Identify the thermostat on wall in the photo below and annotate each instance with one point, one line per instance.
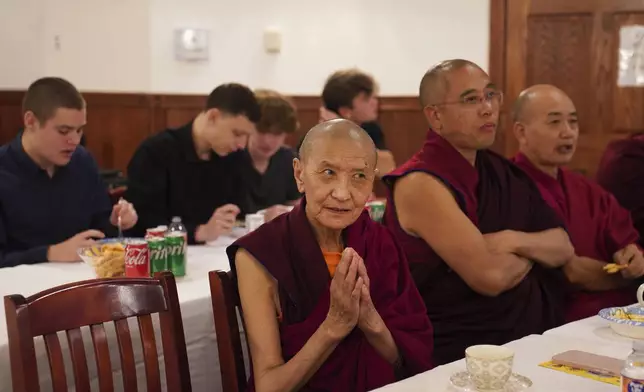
(191, 44)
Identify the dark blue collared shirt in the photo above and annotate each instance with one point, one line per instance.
(37, 210)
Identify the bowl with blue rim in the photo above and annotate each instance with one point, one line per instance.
(625, 320)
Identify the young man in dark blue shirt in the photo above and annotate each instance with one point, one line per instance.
(52, 199)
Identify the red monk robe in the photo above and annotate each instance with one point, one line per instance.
(597, 225)
(495, 195)
(621, 172)
(287, 248)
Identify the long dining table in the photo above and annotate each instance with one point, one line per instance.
(592, 335)
(196, 311)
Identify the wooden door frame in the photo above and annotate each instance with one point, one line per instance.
(508, 27)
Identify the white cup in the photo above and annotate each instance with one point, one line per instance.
(489, 366)
(253, 221)
(640, 294)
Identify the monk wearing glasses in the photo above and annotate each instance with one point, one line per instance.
(484, 249)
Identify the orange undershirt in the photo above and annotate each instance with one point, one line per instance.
(332, 260)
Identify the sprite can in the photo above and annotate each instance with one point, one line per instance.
(376, 210)
(176, 246)
(158, 255)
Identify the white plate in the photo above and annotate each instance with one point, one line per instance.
(462, 382)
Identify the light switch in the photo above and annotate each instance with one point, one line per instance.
(272, 40)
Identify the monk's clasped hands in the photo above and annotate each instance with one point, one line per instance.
(350, 303)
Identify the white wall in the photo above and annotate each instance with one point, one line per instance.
(126, 45)
(21, 39)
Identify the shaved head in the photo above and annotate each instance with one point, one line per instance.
(435, 83)
(335, 172)
(337, 131)
(530, 100)
(546, 127)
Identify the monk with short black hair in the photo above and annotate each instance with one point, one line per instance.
(547, 128)
(484, 249)
(327, 298)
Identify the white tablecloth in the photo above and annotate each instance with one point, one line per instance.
(196, 310)
(594, 328)
(529, 353)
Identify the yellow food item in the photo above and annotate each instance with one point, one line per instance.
(108, 259)
(623, 315)
(613, 268)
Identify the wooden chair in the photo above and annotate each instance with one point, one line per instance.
(92, 303)
(225, 300)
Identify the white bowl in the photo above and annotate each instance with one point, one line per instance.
(105, 267)
(624, 326)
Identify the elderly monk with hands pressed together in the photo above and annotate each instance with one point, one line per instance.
(327, 297)
(483, 247)
(546, 126)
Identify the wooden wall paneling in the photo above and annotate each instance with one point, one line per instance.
(583, 6)
(308, 115)
(10, 114)
(496, 68)
(403, 125)
(179, 109)
(116, 125)
(627, 102)
(515, 60)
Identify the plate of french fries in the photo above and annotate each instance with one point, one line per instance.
(106, 257)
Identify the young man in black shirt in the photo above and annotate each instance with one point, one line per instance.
(52, 198)
(351, 94)
(193, 172)
(268, 163)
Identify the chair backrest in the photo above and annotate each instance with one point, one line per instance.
(117, 193)
(91, 303)
(225, 300)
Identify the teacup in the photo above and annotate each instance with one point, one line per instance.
(640, 294)
(489, 366)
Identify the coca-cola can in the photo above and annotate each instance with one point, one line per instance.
(137, 259)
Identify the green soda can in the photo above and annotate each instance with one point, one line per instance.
(176, 245)
(158, 255)
(376, 210)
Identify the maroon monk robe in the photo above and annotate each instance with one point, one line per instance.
(597, 225)
(288, 249)
(621, 172)
(495, 195)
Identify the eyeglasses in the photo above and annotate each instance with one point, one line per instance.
(492, 97)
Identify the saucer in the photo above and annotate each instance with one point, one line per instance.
(462, 382)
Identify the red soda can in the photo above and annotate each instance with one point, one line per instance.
(137, 259)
